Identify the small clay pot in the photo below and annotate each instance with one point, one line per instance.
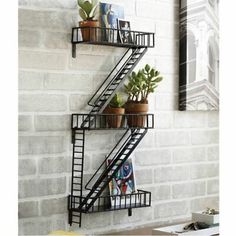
(88, 33)
(114, 117)
(139, 110)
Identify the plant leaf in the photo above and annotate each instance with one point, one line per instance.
(92, 13)
(82, 14)
(152, 73)
(147, 68)
(87, 7)
(157, 80)
(80, 3)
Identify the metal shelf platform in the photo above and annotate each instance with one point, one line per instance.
(101, 121)
(110, 37)
(138, 199)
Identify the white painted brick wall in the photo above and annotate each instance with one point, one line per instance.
(42, 60)
(177, 161)
(53, 206)
(41, 144)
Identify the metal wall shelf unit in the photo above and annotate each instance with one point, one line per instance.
(93, 197)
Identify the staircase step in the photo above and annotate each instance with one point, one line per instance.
(77, 189)
(116, 83)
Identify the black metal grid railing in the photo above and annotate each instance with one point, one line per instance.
(112, 121)
(109, 36)
(138, 199)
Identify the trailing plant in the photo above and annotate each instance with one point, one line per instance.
(117, 101)
(142, 83)
(87, 9)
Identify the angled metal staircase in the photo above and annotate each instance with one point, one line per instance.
(105, 92)
(121, 156)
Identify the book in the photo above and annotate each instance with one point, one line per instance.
(109, 13)
(123, 184)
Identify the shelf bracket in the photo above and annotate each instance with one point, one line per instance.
(73, 136)
(130, 212)
(73, 50)
(70, 212)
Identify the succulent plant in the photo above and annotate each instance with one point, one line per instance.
(211, 211)
(117, 101)
(87, 9)
(141, 84)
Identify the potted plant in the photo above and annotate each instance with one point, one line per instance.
(210, 216)
(140, 85)
(87, 10)
(115, 112)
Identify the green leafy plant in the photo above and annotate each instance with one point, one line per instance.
(210, 211)
(117, 101)
(141, 84)
(87, 9)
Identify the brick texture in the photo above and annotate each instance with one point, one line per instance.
(41, 187)
(28, 209)
(53, 206)
(42, 60)
(53, 165)
(42, 102)
(41, 144)
(27, 167)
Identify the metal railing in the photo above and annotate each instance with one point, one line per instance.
(114, 37)
(138, 199)
(112, 121)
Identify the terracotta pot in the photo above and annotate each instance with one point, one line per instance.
(140, 109)
(114, 119)
(89, 34)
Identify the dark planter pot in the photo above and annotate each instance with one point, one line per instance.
(89, 34)
(114, 119)
(138, 111)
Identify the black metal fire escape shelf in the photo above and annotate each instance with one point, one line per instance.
(96, 198)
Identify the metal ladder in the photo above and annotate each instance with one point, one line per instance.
(78, 140)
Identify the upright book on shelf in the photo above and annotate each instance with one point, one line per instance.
(123, 185)
(109, 13)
